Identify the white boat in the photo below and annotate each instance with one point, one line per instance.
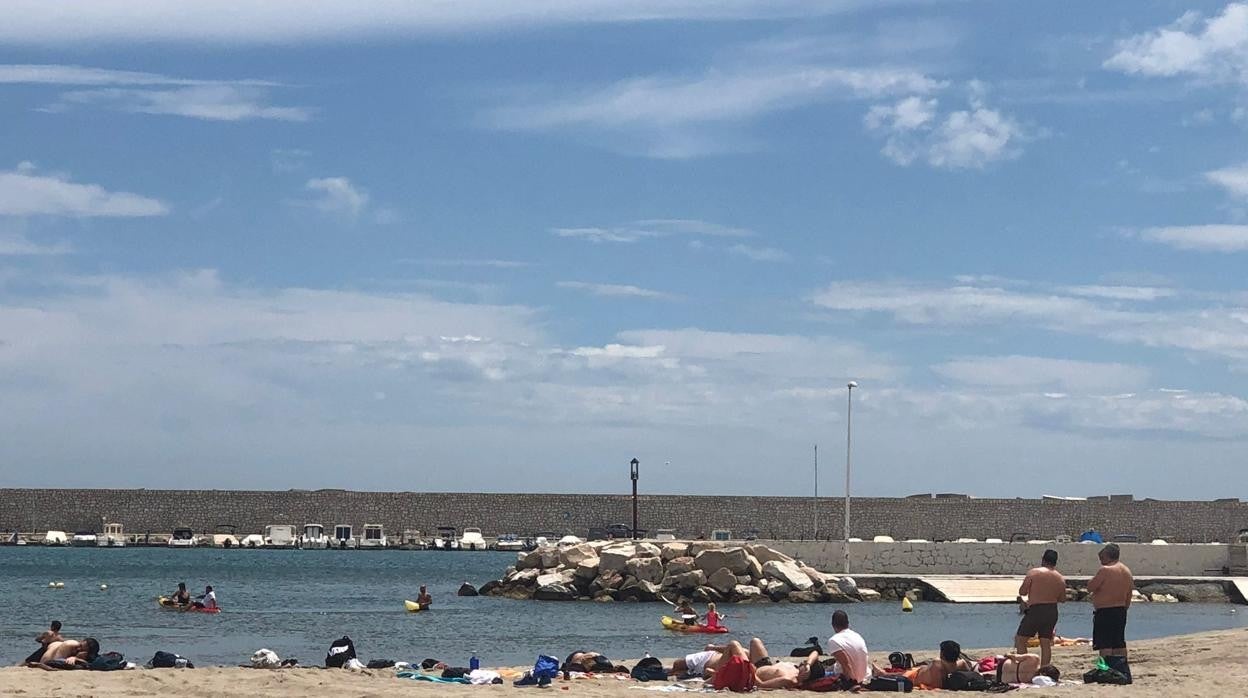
(224, 540)
(374, 536)
(183, 538)
(114, 536)
(55, 538)
(472, 539)
(446, 539)
(509, 541)
(313, 537)
(279, 536)
(343, 538)
(84, 539)
(254, 540)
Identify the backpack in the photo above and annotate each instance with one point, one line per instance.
(169, 660)
(545, 667)
(895, 683)
(812, 645)
(966, 680)
(900, 660)
(340, 651)
(109, 661)
(649, 669)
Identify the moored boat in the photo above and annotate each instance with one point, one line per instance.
(84, 539)
(472, 539)
(314, 537)
(183, 538)
(114, 536)
(374, 536)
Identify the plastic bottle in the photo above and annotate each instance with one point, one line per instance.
(474, 663)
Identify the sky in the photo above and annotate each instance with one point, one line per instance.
(502, 245)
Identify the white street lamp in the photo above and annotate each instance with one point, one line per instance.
(849, 421)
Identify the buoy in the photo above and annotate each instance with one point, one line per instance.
(51, 585)
(60, 585)
(906, 606)
(103, 587)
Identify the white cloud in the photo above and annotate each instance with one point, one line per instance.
(491, 263)
(1214, 49)
(760, 254)
(1204, 238)
(56, 74)
(25, 193)
(1034, 372)
(338, 196)
(616, 290)
(964, 139)
(1233, 179)
(209, 102)
(652, 228)
(235, 22)
(18, 245)
(1122, 293)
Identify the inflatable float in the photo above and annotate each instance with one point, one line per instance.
(673, 624)
(413, 607)
(168, 603)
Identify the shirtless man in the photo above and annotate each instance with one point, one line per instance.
(1022, 668)
(932, 674)
(769, 674)
(1111, 597)
(423, 598)
(73, 652)
(45, 638)
(1044, 588)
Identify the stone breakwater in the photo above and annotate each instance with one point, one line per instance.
(642, 571)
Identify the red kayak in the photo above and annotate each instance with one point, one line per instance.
(672, 624)
(167, 603)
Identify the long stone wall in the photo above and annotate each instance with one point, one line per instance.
(778, 518)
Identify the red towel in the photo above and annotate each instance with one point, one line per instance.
(736, 675)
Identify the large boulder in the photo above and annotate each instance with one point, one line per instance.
(789, 573)
(775, 589)
(489, 587)
(685, 582)
(616, 557)
(549, 556)
(607, 580)
(467, 589)
(548, 578)
(525, 577)
(735, 559)
(586, 569)
(745, 593)
(810, 596)
(699, 546)
(647, 550)
(680, 565)
(722, 580)
(671, 551)
(869, 595)
(554, 592)
(817, 577)
(638, 590)
(765, 554)
(755, 568)
(646, 569)
(574, 554)
(530, 560)
(706, 595)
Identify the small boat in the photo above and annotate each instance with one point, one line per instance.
(114, 536)
(413, 607)
(279, 536)
(314, 537)
(168, 604)
(374, 536)
(225, 537)
(472, 539)
(183, 538)
(343, 538)
(446, 539)
(677, 625)
(412, 540)
(84, 539)
(509, 541)
(254, 540)
(55, 538)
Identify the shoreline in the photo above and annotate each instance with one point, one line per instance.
(1208, 664)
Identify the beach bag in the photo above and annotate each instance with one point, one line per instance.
(340, 652)
(649, 669)
(545, 667)
(169, 660)
(379, 664)
(892, 684)
(109, 661)
(966, 680)
(900, 660)
(1104, 673)
(737, 675)
(812, 645)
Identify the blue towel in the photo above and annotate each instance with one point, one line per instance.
(416, 676)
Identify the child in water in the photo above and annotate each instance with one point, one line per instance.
(712, 616)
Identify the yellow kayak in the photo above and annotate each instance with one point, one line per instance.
(413, 607)
(680, 627)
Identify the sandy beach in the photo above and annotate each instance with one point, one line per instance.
(1204, 664)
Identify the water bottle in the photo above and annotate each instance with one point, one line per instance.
(474, 663)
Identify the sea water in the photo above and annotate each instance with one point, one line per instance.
(295, 602)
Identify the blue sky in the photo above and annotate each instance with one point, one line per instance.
(510, 245)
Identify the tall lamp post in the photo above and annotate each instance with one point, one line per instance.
(632, 473)
(849, 432)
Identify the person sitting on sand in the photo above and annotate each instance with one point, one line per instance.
(423, 598)
(1022, 668)
(769, 674)
(70, 653)
(848, 649)
(684, 611)
(181, 597)
(208, 600)
(45, 638)
(713, 617)
(932, 674)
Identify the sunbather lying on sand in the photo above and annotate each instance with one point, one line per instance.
(69, 653)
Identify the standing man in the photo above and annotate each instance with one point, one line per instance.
(1044, 588)
(1111, 597)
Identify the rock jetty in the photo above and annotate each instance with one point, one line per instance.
(644, 571)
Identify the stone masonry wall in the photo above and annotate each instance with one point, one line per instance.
(159, 511)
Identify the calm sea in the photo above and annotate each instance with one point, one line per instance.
(296, 602)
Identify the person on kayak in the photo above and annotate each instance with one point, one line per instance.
(424, 599)
(685, 611)
(208, 600)
(712, 616)
(181, 597)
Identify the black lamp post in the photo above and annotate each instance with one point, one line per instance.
(632, 473)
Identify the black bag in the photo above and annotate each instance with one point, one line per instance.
(649, 669)
(379, 663)
(109, 661)
(429, 663)
(456, 672)
(901, 660)
(812, 645)
(966, 680)
(340, 652)
(1106, 676)
(168, 660)
(895, 683)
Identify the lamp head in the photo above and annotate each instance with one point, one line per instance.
(851, 385)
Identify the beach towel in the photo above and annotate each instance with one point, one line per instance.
(483, 677)
(417, 676)
(736, 675)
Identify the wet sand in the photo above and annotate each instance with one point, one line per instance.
(1204, 664)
